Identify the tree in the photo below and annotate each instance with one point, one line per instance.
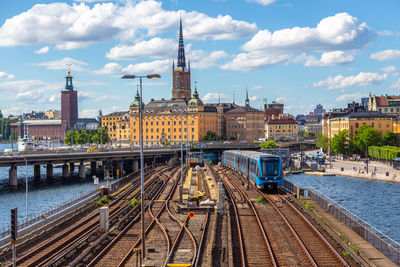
(83, 138)
(210, 136)
(68, 138)
(389, 139)
(322, 142)
(342, 144)
(366, 136)
(100, 136)
(269, 144)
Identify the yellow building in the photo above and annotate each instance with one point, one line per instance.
(165, 120)
(354, 120)
(281, 127)
(113, 124)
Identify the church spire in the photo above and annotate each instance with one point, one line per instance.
(68, 80)
(247, 102)
(181, 49)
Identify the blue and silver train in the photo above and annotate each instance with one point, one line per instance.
(263, 170)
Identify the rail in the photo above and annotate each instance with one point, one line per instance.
(382, 242)
(5, 231)
(389, 247)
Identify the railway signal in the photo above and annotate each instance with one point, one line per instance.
(191, 214)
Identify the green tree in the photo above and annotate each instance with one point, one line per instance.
(389, 139)
(100, 136)
(342, 144)
(210, 136)
(269, 144)
(83, 138)
(366, 136)
(68, 137)
(322, 142)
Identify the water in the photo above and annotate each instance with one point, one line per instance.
(41, 196)
(376, 202)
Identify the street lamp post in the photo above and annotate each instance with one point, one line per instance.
(181, 185)
(149, 76)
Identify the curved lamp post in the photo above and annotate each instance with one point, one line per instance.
(149, 76)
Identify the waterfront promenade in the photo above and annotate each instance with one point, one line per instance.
(376, 170)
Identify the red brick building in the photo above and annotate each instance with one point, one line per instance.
(69, 104)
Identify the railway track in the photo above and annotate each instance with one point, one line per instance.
(84, 231)
(118, 251)
(294, 239)
(254, 245)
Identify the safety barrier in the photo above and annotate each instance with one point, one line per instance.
(5, 231)
(389, 247)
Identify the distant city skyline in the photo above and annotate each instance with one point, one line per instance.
(300, 53)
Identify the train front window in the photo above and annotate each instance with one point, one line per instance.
(270, 166)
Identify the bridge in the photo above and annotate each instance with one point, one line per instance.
(120, 161)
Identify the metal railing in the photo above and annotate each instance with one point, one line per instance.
(382, 242)
(5, 231)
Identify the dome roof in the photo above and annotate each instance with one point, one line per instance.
(195, 100)
(136, 102)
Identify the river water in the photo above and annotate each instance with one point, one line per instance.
(41, 196)
(378, 203)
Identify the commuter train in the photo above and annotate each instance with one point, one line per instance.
(209, 157)
(261, 169)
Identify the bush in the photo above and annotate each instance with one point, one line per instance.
(103, 201)
(384, 152)
(346, 253)
(261, 199)
(134, 202)
(355, 248)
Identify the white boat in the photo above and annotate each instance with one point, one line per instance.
(25, 144)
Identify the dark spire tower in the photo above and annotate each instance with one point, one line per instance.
(247, 101)
(181, 75)
(69, 104)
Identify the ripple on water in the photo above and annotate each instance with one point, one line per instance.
(376, 202)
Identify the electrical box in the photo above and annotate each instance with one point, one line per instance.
(104, 224)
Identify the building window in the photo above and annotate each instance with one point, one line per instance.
(391, 110)
(174, 122)
(162, 123)
(151, 123)
(174, 130)
(386, 109)
(147, 123)
(168, 122)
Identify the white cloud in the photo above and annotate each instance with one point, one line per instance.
(253, 61)
(42, 50)
(213, 97)
(89, 113)
(338, 32)
(109, 68)
(4, 75)
(200, 59)
(332, 36)
(361, 79)
(388, 33)
(254, 98)
(281, 99)
(257, 87)
(109, 98)
(384, 55)
(82, 95)
(262, 2)
(389, 69)
(395, 85)
(26, 85)
(157, 66)
(81, 25)
(154, 48)
(350, 97)
(61, 64)
(55, 98)
(329, 59)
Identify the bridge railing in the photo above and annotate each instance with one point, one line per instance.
(382, 242)
(34, 218)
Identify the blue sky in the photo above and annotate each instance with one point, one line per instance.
(300, 53)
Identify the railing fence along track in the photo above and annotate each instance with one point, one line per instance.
(386, 245)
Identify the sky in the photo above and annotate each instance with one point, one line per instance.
(300, 53)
